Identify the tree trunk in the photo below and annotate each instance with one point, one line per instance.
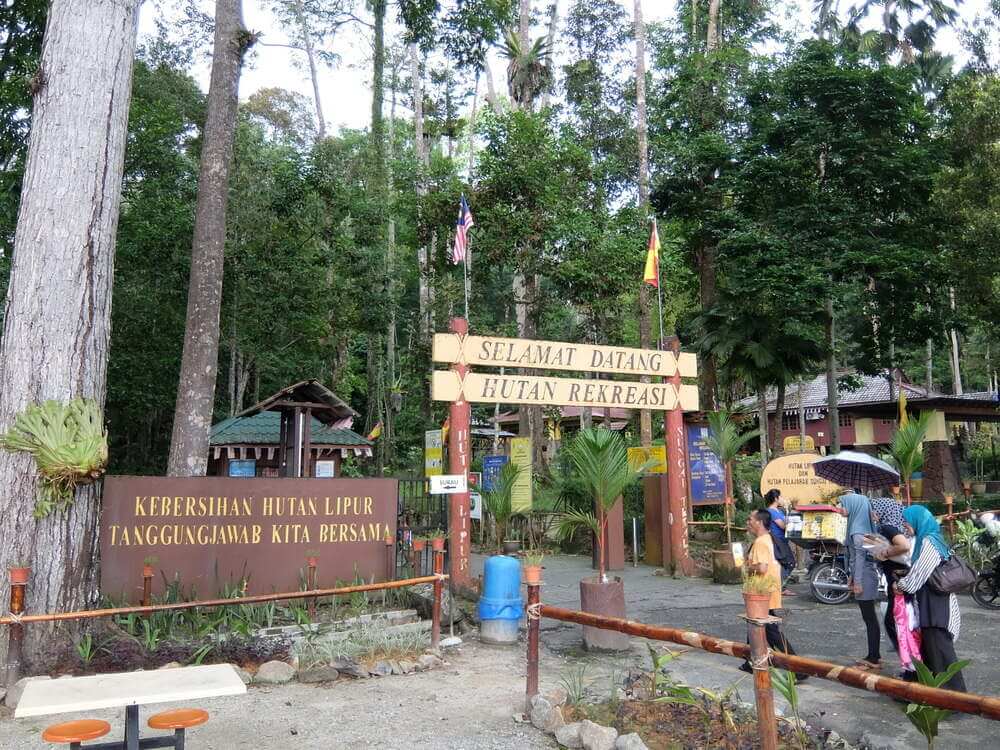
(307, 46)
(930, 365)
(491, 88)
(57, 321)
(417, 87)
(802, 417)
(388, 430)
(708, 294)
(762, 421)
(645, 325)
(776, 420)
(524, 24)
(553, 24)
(956, 368)
(832, 395)
(712, 35)
(200, 360)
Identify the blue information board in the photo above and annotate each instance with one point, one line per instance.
(491, 470)
(243, 467)
(708, 477)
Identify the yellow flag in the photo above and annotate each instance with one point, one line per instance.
(652, 273)
(903, 417)
(376, 432)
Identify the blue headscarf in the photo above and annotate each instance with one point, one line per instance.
(925, 528)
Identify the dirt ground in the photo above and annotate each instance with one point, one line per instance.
(466, 704)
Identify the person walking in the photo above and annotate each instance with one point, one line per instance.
(894, 559)
(940, 617)
(863, 580)
(762, 562)
(782, 549)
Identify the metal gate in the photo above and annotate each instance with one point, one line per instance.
(418, 513)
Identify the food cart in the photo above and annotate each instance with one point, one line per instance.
(822, 531)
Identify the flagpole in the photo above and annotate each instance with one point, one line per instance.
(466, 280)
(659, 285)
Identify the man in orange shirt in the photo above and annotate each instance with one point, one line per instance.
(761, 561)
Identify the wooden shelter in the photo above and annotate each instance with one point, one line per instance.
(289, 434)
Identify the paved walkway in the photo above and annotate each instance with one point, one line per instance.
(832, 633)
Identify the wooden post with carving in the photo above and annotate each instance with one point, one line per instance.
(459, 459)
(676, 526)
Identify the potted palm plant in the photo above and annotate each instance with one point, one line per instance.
(725, 440)
(757, 590)
(907, 450)
(498, 502)
(533, 567)
(600, 460)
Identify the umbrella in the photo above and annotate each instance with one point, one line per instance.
(854, 469)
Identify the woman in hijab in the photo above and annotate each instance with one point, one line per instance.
(894, 557)
(940, 619)
(863, 575)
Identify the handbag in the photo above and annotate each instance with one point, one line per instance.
(952, 575)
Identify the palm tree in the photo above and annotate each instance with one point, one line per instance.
(907, 448)
(601, 462)
(908, 27)
(725, 440)
(498, 501)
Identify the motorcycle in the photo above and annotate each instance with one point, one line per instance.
(986, 589)
(827, 572)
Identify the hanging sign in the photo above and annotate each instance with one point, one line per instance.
(520, 456)
(494, 351)
(433, 452)
(449, 484)
(543, 391)
(653, 458)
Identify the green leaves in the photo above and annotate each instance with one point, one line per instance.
(600, 460)
(907, 445)
(926, 718)
(498, 501)
(725, 438)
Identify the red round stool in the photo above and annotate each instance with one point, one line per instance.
(72, 733)
(178, 719)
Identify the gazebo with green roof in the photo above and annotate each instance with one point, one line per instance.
(303, 430)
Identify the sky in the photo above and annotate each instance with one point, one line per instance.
(346, 88)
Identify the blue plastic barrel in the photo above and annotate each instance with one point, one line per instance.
(501, 606)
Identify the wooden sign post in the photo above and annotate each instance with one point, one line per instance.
(460, 386)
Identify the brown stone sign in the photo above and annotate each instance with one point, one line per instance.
(210, 531)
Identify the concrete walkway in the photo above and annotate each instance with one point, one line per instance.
(831, 633)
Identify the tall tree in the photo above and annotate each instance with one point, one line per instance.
(200, 360)
(645, 328)
(57, 318)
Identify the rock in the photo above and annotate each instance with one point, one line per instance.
(244, 675)
(171, 665)
(395, 666)
(557, 696)
(349, 667)
(3, 694)
(874, 741)
(14, 694)
(428, 661)
(318, 673)
(407, 666)
(545, 716)
(380, 669)
(422, 598)
(595, 737)
(451, 642)
(274, 673)
(630, 742)
(568, 735)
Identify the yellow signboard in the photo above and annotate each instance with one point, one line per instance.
(520, 456)
(530, 389)
(793, 475)
(794, 443)
(637, 457)
(494, 351)
(433, 453)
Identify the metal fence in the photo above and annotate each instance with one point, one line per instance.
(418, 513)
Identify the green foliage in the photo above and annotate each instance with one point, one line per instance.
(926, 718)
(907, 446)
(784, 682)
(86, 649)
(574, 682)
(497, 501)
(968, 545)
(69, 444)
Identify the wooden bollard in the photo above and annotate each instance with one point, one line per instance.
(436, 609)
(147, 584)
(15, 638)
(534, 623)
(760, 660)
(311, 562)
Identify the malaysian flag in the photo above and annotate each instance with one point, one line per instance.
(462, 227)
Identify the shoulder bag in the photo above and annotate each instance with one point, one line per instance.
(952, 576)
